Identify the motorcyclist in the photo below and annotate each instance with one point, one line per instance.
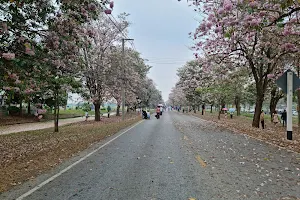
(157, 112)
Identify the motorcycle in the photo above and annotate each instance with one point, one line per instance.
(157, 115)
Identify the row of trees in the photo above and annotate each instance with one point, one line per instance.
(240, 45)
(51, 48)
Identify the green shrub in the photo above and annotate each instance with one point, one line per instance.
(13, 109)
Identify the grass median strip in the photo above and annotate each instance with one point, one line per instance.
(23, 156)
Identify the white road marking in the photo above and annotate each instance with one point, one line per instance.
(72, 165)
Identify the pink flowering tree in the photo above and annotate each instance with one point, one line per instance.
(99, 42)
(130, 75)
(47, 33)
(257, 33)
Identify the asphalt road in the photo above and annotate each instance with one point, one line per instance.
(176, 157)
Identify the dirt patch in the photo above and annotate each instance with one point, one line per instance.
(10, 120)
(243, 125)
(25, 155)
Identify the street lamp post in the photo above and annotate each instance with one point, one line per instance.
(123, 86)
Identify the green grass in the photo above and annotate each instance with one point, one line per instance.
(64, 114)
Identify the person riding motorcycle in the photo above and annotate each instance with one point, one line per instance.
(157, 112)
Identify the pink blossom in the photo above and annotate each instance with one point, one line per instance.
(28, 91)
(270, 75)
(92, 6)
(227, 5)
(111, 5)
(56, 44)
(17, 81)
(287, 31)
(203, 27)
(209, 25)
(221, 11)
(218, 29)
(107, 11)
(255, 22)
(7, 88)
(8, 56)
(21, 39)
(288, 47)
(13, 76)
(262, 13)
(253, 4)
(41, 111)
(29, 51)
(4, 27)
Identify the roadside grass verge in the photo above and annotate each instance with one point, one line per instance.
(25, 155)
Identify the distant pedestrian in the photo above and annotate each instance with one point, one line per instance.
(262, 119)
(283, 117)
(108, 110)
(275, 118)
(86, 116)
(231, 111)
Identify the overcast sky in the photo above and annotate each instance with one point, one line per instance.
(160, 31)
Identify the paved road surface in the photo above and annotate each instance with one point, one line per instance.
(177, 157)
(40, 125)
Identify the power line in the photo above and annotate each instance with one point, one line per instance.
(121, 31)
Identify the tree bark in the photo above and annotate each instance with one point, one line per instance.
(298, 94)
(211, 108)
(275, 97)
(21, 107)
(118, 110)
(97, 111)
(56, 112)
(258, 108)
(238, 105)
(28, 107)
(220, 110)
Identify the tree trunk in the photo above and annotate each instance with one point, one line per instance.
(21, 107)
(97, 111)
(211, 108)
(194, 108)
(220, 110)
(56, 113)
(28, 107)
(258, 108)
(238, 105)
(276, 95)
(118, 110)
(222, 106)
(298, 92)
(273, 103)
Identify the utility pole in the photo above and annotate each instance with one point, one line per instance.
(123, 86)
